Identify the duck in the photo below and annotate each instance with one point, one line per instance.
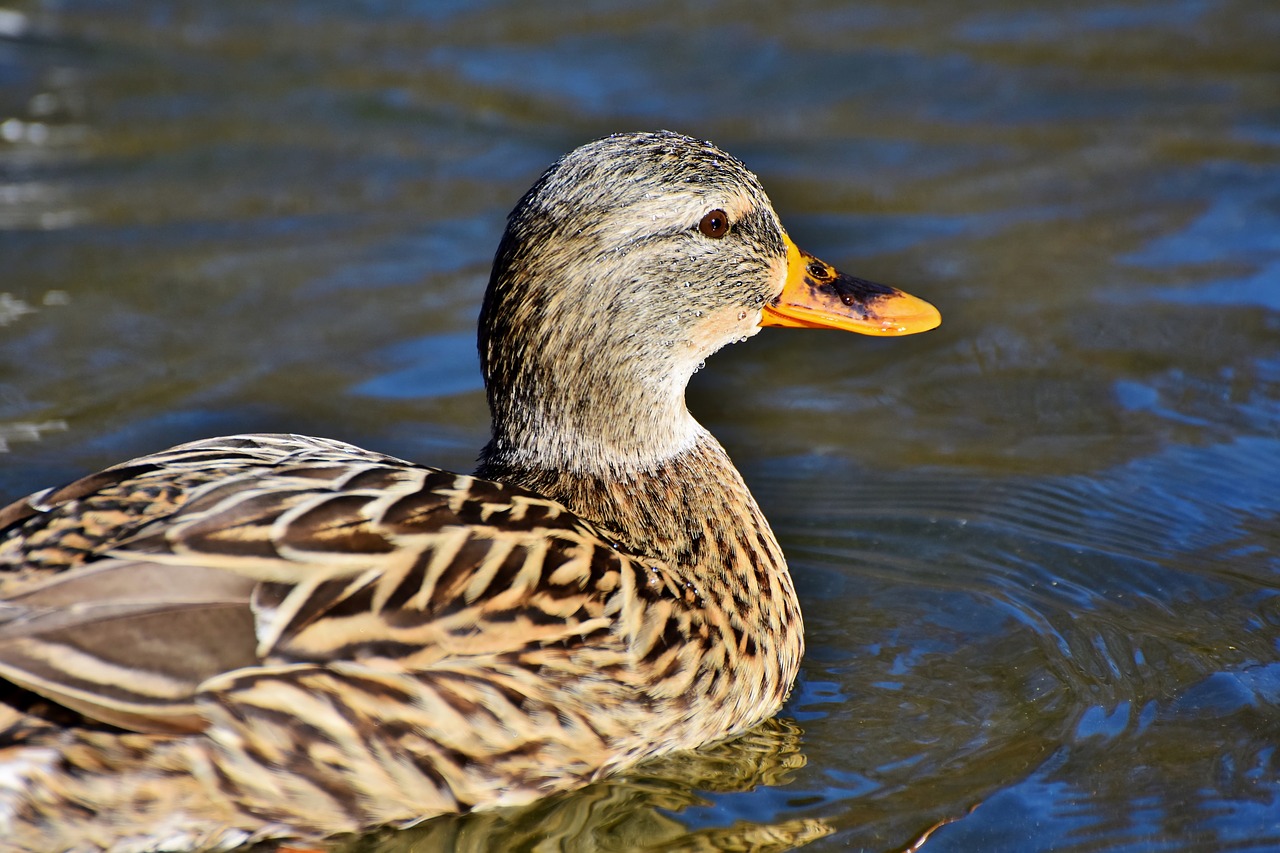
(276, 636)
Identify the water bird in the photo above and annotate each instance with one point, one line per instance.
(283, 636)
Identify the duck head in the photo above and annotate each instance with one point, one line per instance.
(628, 263)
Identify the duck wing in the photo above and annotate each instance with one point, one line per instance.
(223, 555)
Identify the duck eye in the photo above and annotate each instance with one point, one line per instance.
(715, 224)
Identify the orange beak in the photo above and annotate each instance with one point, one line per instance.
(818, 296)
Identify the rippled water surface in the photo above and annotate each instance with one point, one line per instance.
(1039, 548)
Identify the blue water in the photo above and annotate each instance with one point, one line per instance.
(1038, 548)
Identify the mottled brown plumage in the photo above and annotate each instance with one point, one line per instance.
(304, 638)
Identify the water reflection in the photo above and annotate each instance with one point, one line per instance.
(654, 807)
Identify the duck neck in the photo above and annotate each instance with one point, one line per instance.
(597, 428)
(584, 367)
(691, 508)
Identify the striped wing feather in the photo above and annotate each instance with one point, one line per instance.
(261, 553)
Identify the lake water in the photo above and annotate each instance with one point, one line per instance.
(1038, 548)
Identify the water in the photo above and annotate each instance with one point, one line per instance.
(1038, 547)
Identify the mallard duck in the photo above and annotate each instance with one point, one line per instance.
(282, 636)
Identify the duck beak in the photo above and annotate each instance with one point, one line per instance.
(818, 296)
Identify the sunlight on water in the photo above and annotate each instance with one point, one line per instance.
(1037, 548)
